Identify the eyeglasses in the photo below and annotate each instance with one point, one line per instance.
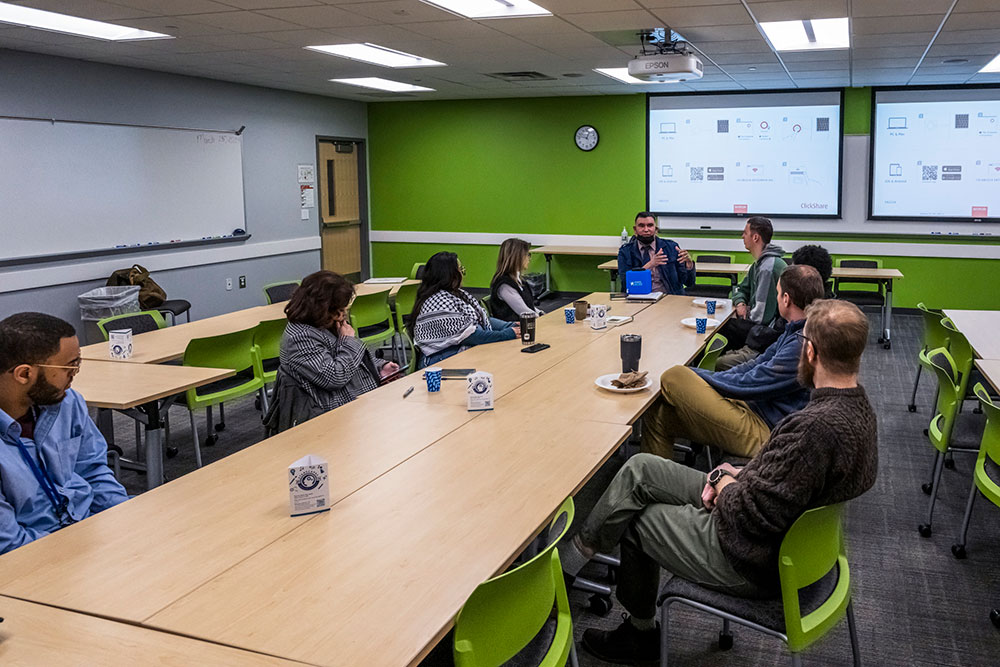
(73, 368)
(804, 337)
(461, 269)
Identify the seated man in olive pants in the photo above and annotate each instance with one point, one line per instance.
(724, 530)
(736, 409)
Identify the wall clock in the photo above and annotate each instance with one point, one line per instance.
(586, 138)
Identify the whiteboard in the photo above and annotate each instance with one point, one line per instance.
(70, 187)
(854, 210)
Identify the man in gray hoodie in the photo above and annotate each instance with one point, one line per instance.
(755, 299)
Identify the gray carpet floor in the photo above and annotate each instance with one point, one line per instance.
(915, 603)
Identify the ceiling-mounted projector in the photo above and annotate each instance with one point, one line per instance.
(664, 58)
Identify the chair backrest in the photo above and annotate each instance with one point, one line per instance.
(961, 352)
(406, 299)
(857, 284)
(267, 342)
(713, 349)
(141, 322)
(485, 302)
(370, 310)
(505, 613)
(990, 447)
(715, 278)
(417, 272)
(277, 292)
(232, 350)
(715, 258)
(935, 333)
(813, 546)
(949, 392)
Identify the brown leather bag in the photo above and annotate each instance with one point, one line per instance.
(151, 295)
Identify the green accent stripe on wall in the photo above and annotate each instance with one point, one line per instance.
(857, 110)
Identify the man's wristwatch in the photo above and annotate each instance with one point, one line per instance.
(716, 476)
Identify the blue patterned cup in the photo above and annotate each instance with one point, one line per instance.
(433, 377)
(570, 314)
(701, 324)
(710, 307)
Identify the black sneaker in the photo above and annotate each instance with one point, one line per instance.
(625, 645)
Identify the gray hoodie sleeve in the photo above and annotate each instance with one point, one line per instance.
(765, 278)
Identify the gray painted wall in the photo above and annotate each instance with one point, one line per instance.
(281, 133)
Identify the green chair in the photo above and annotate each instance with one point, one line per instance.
(372, 313)
(989, 448)
(815, 591)
(964, 357)
(267, 349)
(505, 613)
(714, 285)
(935, 335)
(278, 292)
(417, 272)
(942, 423)
(234, 351)
(406, 299)
(140, 322)
(712, 351)
(485, 303)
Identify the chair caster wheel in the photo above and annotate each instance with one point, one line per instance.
(171, 452)
(220, 427)
(599, 605)
(958, 551)
(924, 529)
(612, 575)
(926, 432)
(949, 464)
(725, 641)
(911, 408)
(211, 440)
(995, 617)
(256, 404)
(927, 487)
(888, 345)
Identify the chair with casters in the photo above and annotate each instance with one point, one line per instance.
(278, 292)
(935, 335)
(485, 303)
(267, 347)
(505, 613)
(140, 322)
(961, 351)
(406, 299)
(417, 272)
(942, 424)
(713, 349)
(234, 351)
(986, 472)
(176, 308)
(714, 285)
(372, 319)
(815, 591)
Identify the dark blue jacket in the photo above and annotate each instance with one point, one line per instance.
(674, 274)
(768, 383)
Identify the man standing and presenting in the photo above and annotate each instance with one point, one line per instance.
(724, 530)
(755, 298)
(53, 460)
(671, 268)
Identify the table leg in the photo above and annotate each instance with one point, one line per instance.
(548, 276)
(154, 445)
(614, 280)
(887, 323)
(106, 424)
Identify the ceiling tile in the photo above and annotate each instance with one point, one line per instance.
(728, 33)
(977, 21)
(89, 9)
(887, 25)
(713, 15)
(176, 7)
(901, 7)
(318, 17)
(244, 22)
(968, 37)
(268, 4)
(395, 11)
(795, 10)
(579, 6)
(898, 39)
(623, 20)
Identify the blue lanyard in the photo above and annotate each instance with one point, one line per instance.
(60, 503)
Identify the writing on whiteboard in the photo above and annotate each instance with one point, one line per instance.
(217, 139)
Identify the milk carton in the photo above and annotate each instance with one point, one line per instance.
(480, 391)
(308, 486)
(120, 344)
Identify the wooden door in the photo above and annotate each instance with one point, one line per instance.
(340, 207)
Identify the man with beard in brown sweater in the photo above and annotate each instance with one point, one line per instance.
(724, 531)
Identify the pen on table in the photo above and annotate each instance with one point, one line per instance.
(407, 392)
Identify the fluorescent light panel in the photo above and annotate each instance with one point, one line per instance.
(376, 55)
(992, 66)
(621, 74)
(72, 25)
(490, 9)
(383, 84)
(808, 35)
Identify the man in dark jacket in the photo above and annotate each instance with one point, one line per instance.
(671, 268)
(736, 409)
(755, 298)
(724, 530)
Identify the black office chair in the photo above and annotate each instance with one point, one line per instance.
(176, 308)
(277, 292)
(713, 285)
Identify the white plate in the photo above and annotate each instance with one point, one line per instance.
(604, 382)
(691, 324)
(719, 303)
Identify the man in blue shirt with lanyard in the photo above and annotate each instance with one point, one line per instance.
(671, 268)
(53, 460)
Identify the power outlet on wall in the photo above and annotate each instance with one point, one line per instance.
(229, 284)
(243, 282)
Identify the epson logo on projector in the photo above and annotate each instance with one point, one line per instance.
(815, 205)
(656, 64)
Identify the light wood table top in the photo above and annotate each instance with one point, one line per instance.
(136, 558)
(981, 328)
(405, 552)
(568, 389)
(509, 366)
(878, 274)
(838, 272)
(107, 384)
(699, 267)
(375, 288)
(597, 251)
(38, 636)
(990, 369)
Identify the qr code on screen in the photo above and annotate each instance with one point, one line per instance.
(929, 172)
(961, 121)
(823, 124)
(697, 173)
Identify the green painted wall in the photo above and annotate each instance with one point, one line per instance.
(510, 166)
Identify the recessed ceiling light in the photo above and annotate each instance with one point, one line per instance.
(807, 34)
(751, 69)
(72, 25)
(954, 61)
(992, 66)
(621, 74)
(382, 84)
(489, 9)
(375, 54)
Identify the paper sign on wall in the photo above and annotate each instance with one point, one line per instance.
(307, 196)
(307, 173)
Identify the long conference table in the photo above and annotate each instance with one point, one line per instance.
(980, 328)
(428, 500)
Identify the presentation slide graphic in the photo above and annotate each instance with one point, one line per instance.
(938, 159)
(774, 160)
